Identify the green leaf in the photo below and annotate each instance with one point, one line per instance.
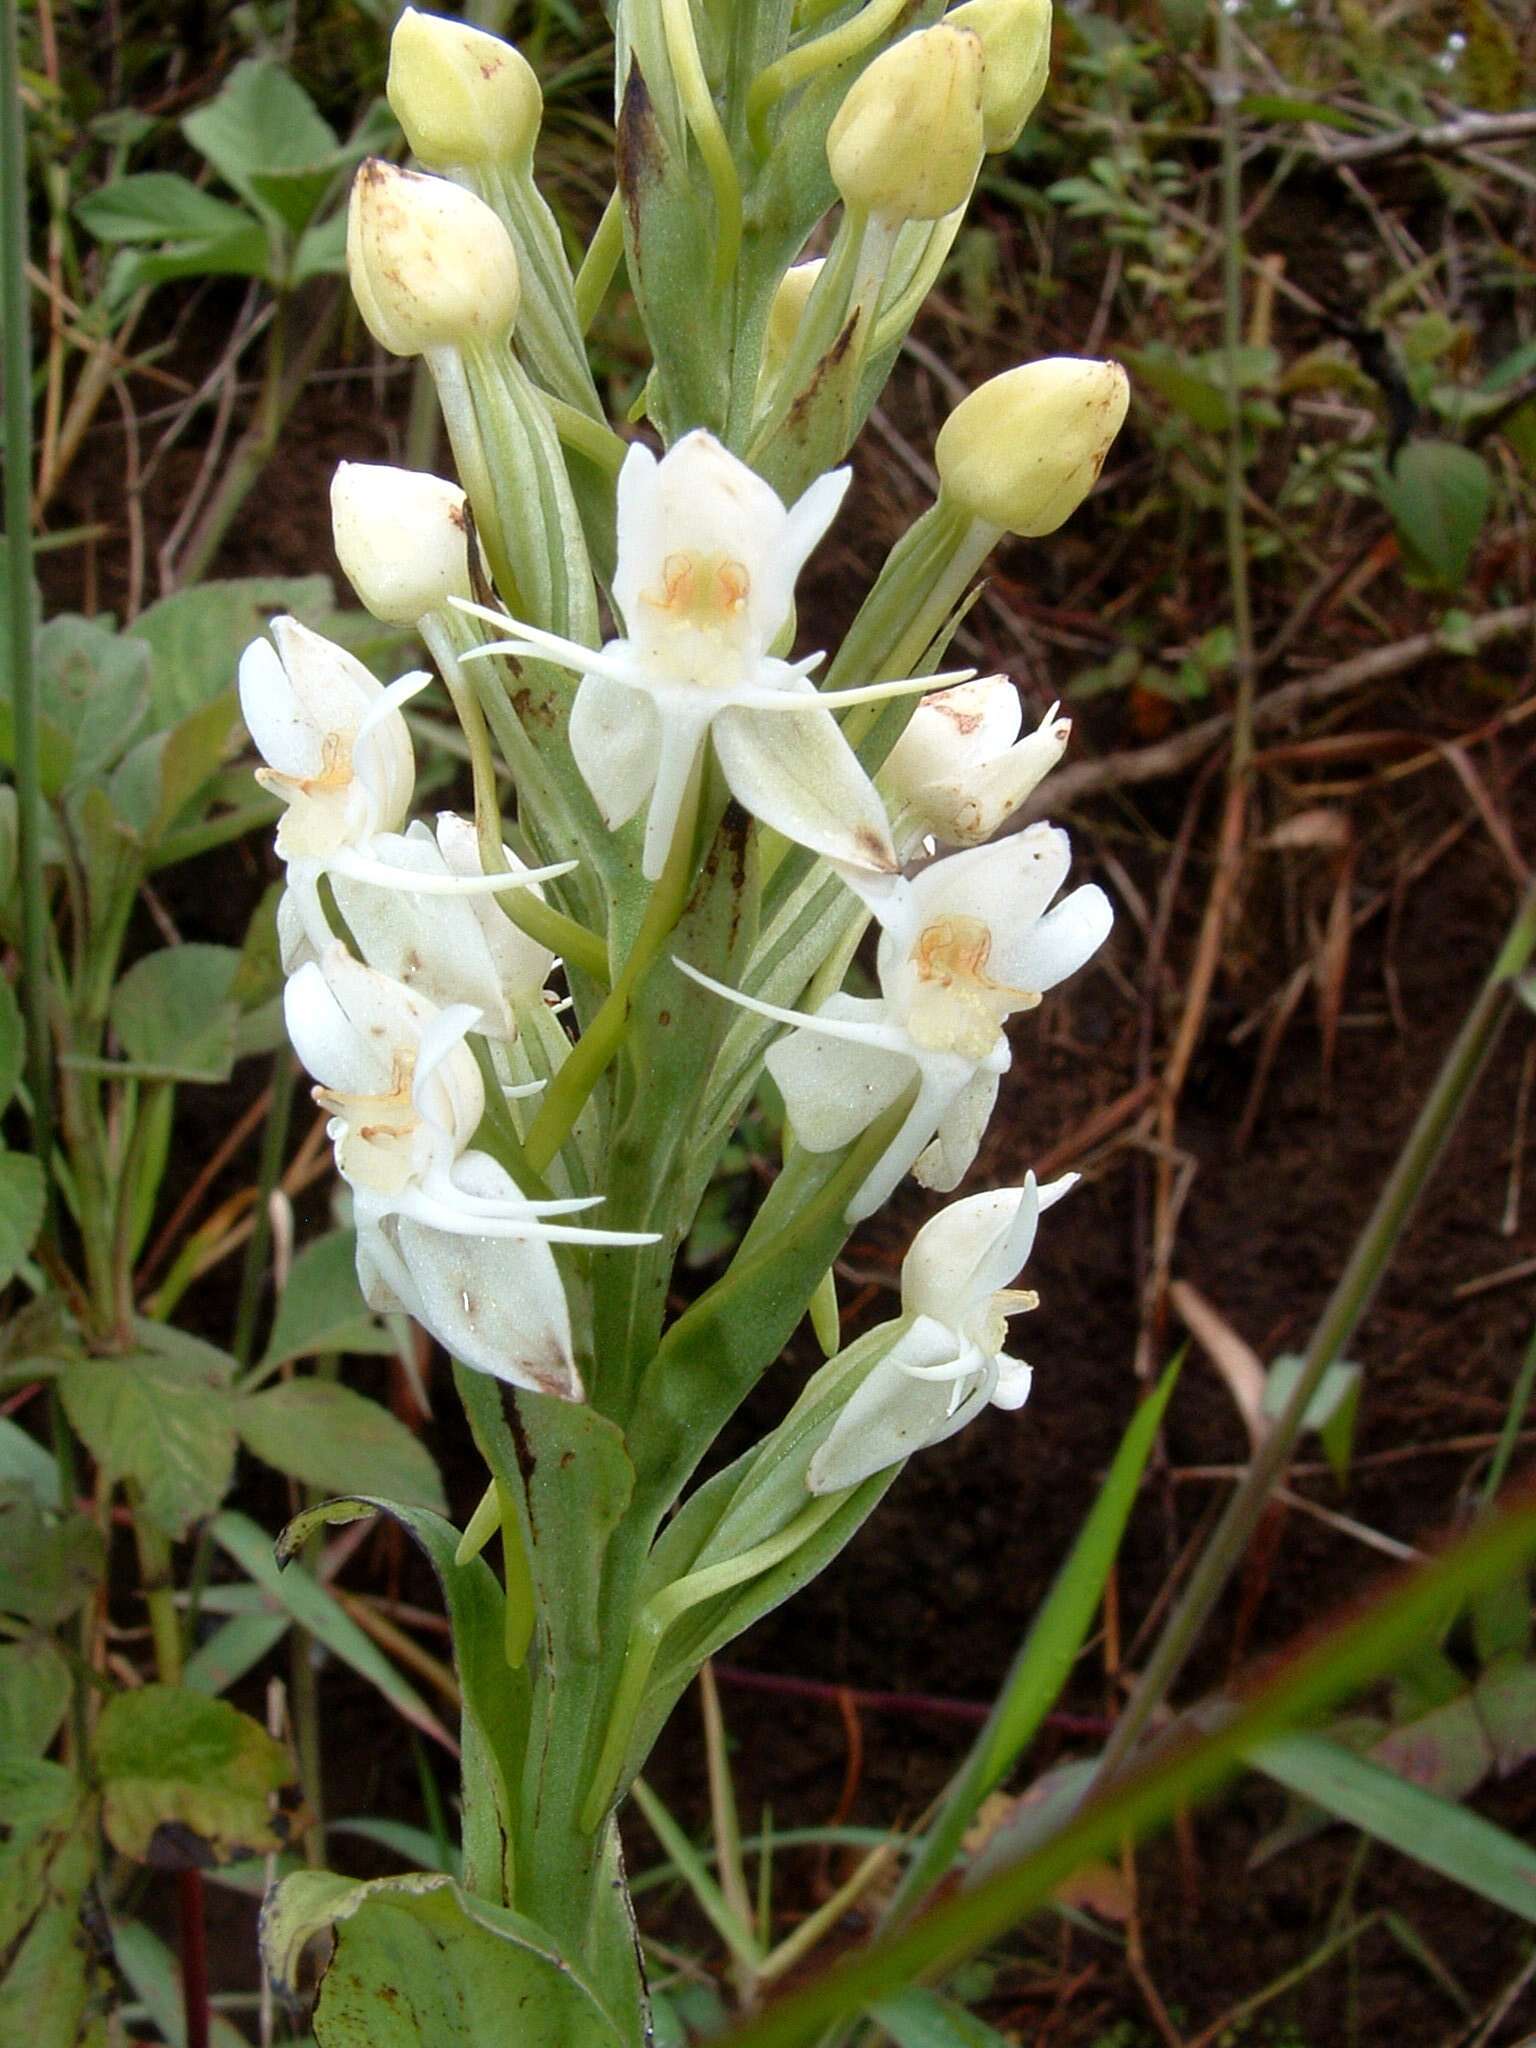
(246, 253)
(1505, 1699)
(163, 1424)
(323, 250)
(50, 1565)
(1045, 1659)
(1332, 1410)
(1349, 1657)
(263, 121)
(233, 1649)
(94, 688)
(155, 1976)
(922, 2019)
(157, 206)
(421, 1963)
(495, 1698)
(1442, 1836)
(34, 1695)
(187, 1780)
(22, 1195)
(173, 1014)
(26, 1465)
(56, 1992)
(158, 778)
(299, 1593)
(1438, 494)
(13, 1043)
(328, 1436)
(196, 636)
(322, 1309)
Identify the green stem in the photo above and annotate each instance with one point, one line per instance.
(599, 1044)
(1351, 1298)
(274, 1141)
(704, 125)
(18, 561)
(589, 437)
(159, 1592)
(658, 1615)
(803, 62)
(600, 264)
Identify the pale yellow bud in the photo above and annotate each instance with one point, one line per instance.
(787, 311)
(1015, 61)
(401, 537)
(1024, 449)
(461, 96)
(906, 143)
(430, 265)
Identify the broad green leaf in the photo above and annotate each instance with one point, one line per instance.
(421, 1963)
(162, 1424)
(159, 777)
(261, 121)
(1348, 1657)
(322, 1309)
(22, 1194)
(495, 1698)
(157, 206)
(1438, 494)
(173, 1014)
(1459, 1844)
(95, 684)
(55, 1992)
(187, 1780)
(299, 1593)
(196, 636)
(246, 252)
(922, 2019)
(34, 1694)
(155, 1976)
(50, 1565)
(328, 1436)
(13, 1043)
(1045, 1660)
(25, 1464)
(322, 252)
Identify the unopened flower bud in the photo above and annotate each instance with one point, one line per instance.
(401, 537)
(1015, 61)
(787, 311)
(430, 265)
(1024, 449)
(960, 770)
(462, 97)
(906, 143)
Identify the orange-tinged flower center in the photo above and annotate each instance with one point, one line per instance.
(958, 1007)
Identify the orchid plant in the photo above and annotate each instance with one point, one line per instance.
(534, 1029)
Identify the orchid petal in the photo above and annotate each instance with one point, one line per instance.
(945, 1163)
(888, 1417)
(1058, 944)
(798, 774)
(615, 738)
(834, 1088)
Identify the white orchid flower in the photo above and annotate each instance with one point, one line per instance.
(960, 769)
(964, 945)
(458, 951)
(708, 557)
(338, 753)
(443, 1230)
(951, 1361)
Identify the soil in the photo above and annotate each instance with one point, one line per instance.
(933, 1596)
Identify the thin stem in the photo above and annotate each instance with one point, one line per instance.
(274, 1141)
(1351, 1298)
(1514, 1421)
(803, 62)
(18, 561)
(601, 262)
(599, 1044)
(589, 437)
(1226, 97)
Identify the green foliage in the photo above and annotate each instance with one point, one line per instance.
(186, 1780)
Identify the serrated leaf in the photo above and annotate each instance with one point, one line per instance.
(196, 636)
(157, 206)
(55, 1992)
(34, 1695)
(261, 121)
(22, 1195)
(322, 1309)
(50, 1565)
(1438, 494)
(160, 1423)
(328, 1436)
(173, 1014)
(186, 1780)
(421, 1963)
